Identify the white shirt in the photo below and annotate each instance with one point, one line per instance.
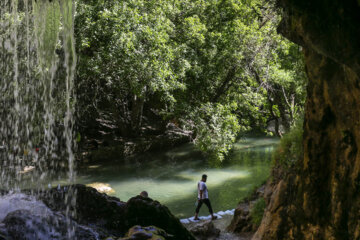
(202, 186)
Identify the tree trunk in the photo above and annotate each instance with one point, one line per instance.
(137, 108)
(225, 84)
(276, 118)
(284, 118)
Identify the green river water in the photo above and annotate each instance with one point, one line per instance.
(171, 177)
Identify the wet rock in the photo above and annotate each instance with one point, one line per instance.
(24, 225)
(260, 191)
(112, 217)
(205, 230)
(91, 207)
(3, 233)
(144, 211)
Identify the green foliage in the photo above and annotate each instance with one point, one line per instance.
(290, 148)
(257, 211)
(216, 67)
(215, 127)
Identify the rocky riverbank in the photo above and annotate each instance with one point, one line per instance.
(215, 230)
(235, 224)
(98, 216)
(109, 147)
(42, 215)
(242, 221)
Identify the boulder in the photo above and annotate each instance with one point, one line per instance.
(24, 225)
(205, 230)
(242, 220)
(91, 207)
(112, 217)
(3, 233)
(145, 211)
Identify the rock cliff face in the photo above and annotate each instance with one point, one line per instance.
(322, 199)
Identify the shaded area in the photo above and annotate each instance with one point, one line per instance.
(98, 216)
(320, 198)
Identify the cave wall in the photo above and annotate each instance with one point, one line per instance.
(321, 199)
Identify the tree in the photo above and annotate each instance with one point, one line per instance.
(127, 47)
(216, 67)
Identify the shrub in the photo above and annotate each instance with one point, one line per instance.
(257, 211)
(290, 148)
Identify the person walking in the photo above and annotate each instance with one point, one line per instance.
(203, 197)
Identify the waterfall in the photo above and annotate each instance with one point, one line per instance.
(37, 65)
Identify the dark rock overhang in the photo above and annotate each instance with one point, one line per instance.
(331, 28)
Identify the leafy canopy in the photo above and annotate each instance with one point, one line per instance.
(216, 67)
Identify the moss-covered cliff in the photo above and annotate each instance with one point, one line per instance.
(322, 199)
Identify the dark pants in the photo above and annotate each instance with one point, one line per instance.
(207, 203)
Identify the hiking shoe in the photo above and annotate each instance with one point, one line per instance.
(196, 218)
(214, 217)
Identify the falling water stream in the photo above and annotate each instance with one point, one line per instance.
(37, 64)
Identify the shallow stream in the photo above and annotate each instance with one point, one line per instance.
(171, 177)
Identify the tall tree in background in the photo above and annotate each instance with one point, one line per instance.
(216, 67)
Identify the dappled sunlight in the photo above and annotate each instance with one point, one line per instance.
(215, 176)
(159, 190)
(223, 196)
(171, 177)
(102, 187)
(167, 190)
